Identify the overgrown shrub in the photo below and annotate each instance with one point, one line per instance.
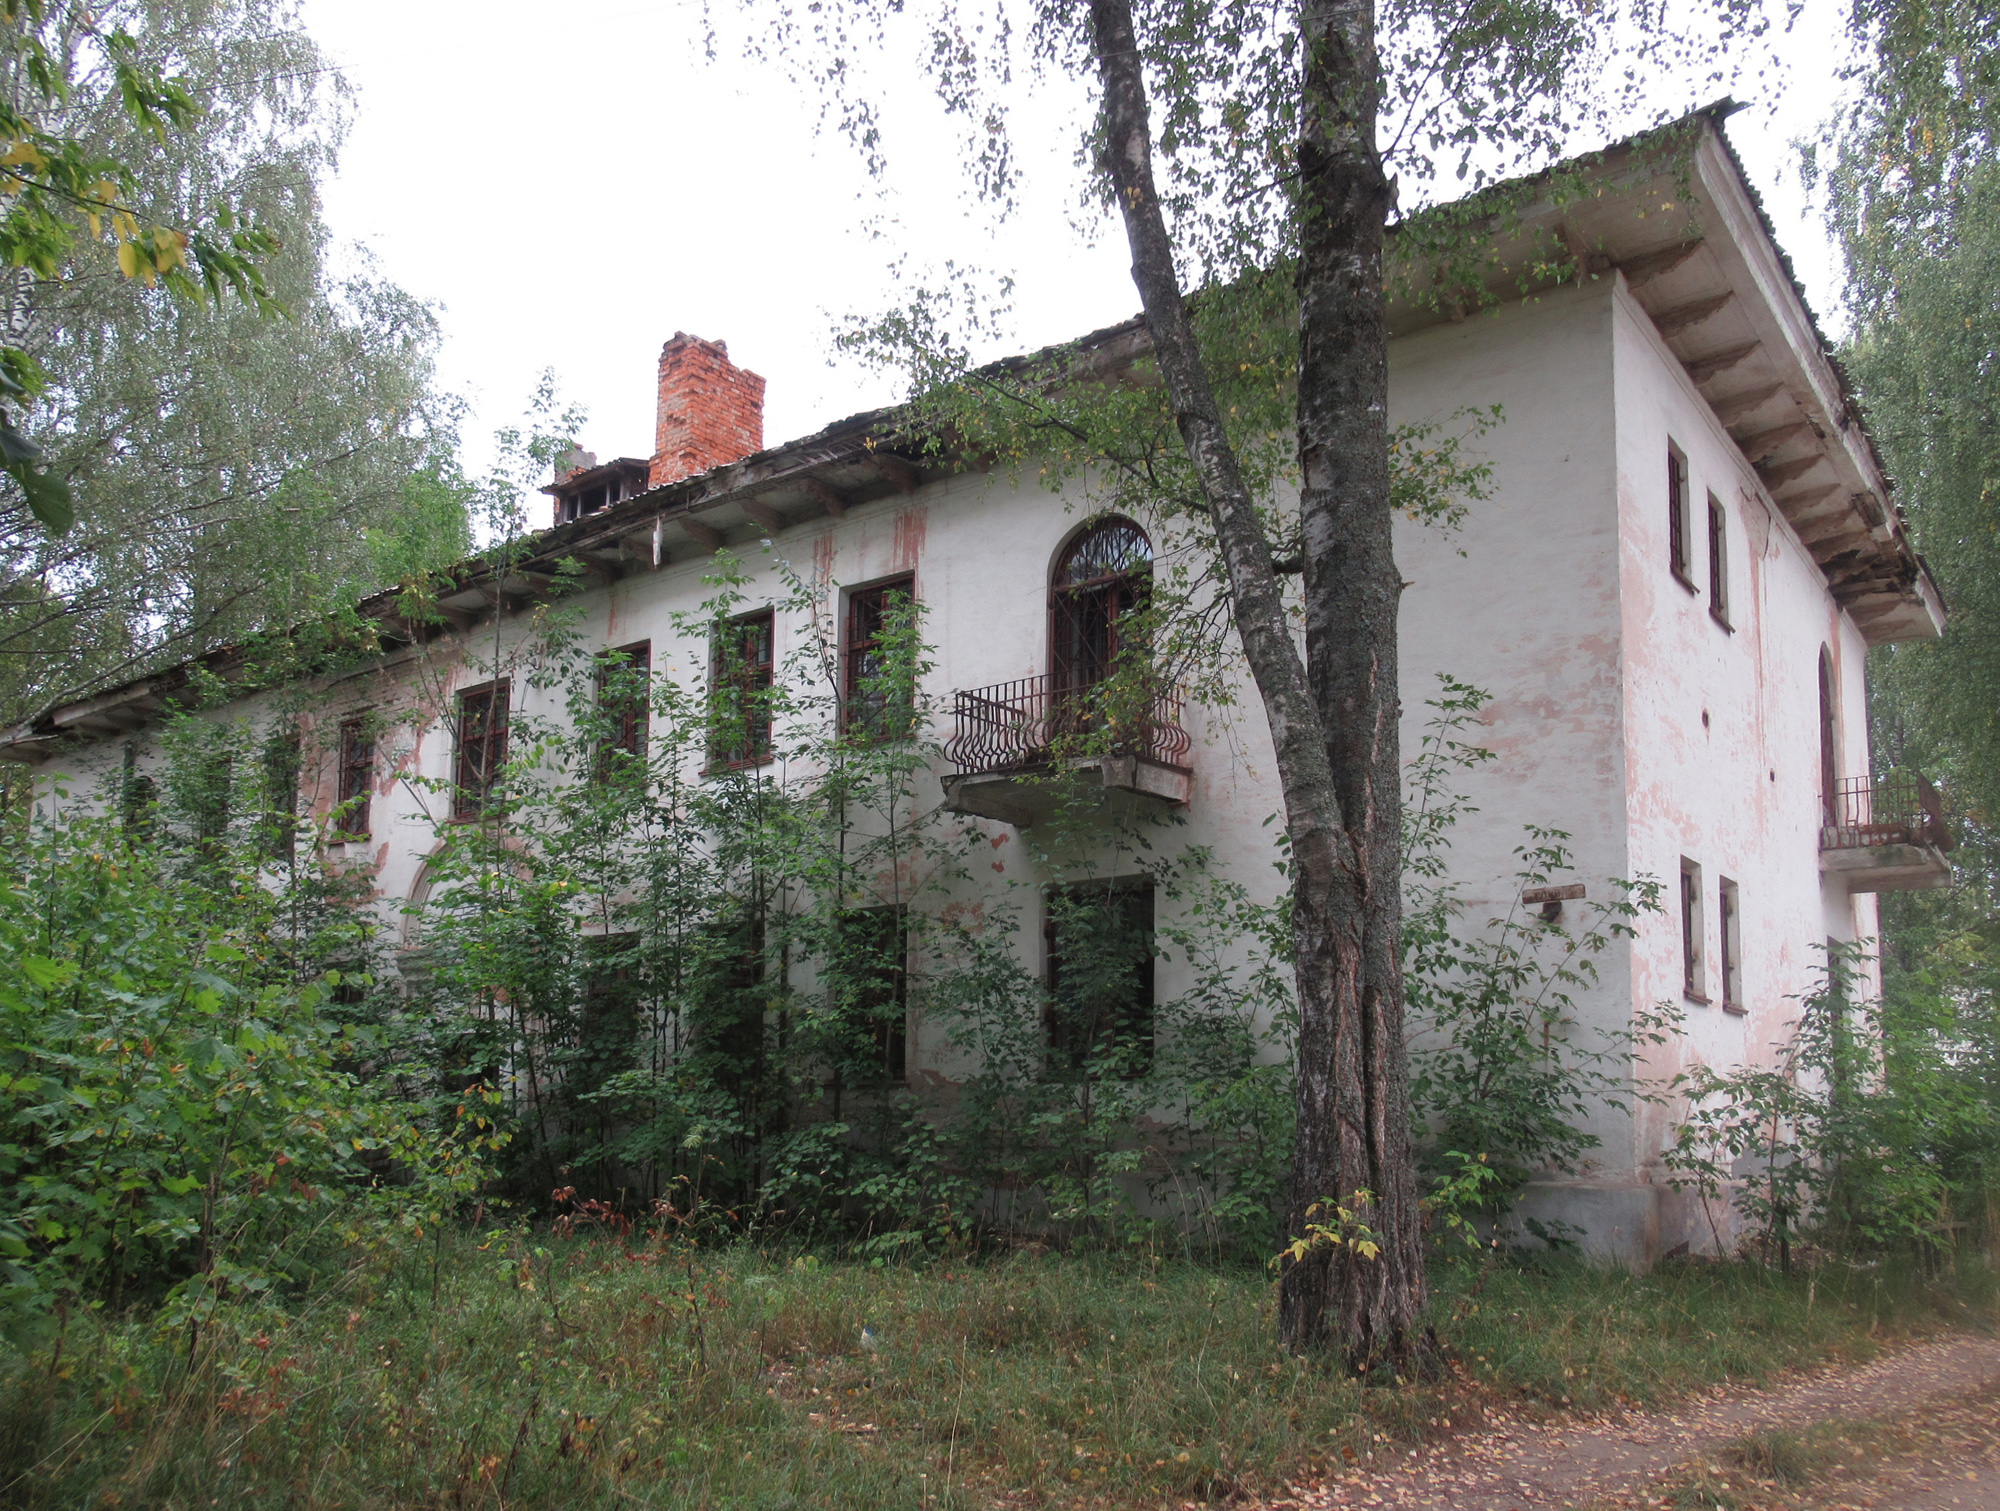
(181, 1117)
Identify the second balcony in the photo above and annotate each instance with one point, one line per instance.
(1021, 751)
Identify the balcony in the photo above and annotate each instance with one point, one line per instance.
(1887, 834)
(1021, 750)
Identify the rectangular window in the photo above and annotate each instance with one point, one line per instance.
(277, 837)
(869, 984)
(1732, 948)
(1099, 943)
(138, 795)
(608, 1027)
(876, 701)
(208, 797)
(1718, 562)
(482, 748)
(624, 697)
(743, 669)
(354, 794)
(1677, 517)
(1694, 973)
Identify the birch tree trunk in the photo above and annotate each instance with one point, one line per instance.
(1333, 730)
(1354, 1092)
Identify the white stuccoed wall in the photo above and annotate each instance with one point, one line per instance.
(1555, 598)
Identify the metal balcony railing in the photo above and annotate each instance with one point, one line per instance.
(1899, 809)
(1019, 725)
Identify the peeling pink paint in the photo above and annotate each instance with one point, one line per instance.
(907, 548)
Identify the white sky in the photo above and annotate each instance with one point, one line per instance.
(574, 184)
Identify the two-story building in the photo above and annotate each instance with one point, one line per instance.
(1670, 596)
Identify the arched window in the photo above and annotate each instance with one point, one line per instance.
(1099, 580)
(1829, 754)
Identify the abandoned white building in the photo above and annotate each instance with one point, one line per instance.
(1671, 594)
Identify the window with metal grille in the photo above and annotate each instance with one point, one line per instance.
(624, 699)
(1678, 555)
(482, 749)
(877, 701)
(1694, 973)
(354, 794)
(1099, 581)
(1099, 944)
(743, 672)
(1718, 562)
(1731, 938)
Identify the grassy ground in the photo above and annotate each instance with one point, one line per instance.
(581, 1372)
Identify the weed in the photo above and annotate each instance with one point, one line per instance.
(549, 1369)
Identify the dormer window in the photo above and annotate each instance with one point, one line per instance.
(588, 488)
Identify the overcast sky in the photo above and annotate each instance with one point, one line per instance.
(572, 184)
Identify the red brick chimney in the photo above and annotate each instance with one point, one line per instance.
(711, 411)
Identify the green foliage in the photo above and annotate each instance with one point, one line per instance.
(232, 471)
(690, 968)
(1873, 1128)
(59, 182)
(182, 1117)
(1912, 172)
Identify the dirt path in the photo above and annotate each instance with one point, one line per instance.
(1518, 1466)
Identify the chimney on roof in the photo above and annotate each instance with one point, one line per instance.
(573, 461)
(711, 411)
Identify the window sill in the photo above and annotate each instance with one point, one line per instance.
(1736, 1009)
(1684, 580)
(1727, 627)
(724, 768)
(1696, 998)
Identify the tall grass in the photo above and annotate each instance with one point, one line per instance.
(520, 1369)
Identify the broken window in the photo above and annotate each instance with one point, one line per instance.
(482, 748)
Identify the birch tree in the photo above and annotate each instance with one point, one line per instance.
(1232, 138)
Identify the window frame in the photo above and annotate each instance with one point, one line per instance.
(633, 712)
(354, 776)
(1680, 559)
(855, 647)
(476, 799)
(282, 763)
(1065, 1058)
(1718, 563)
(1729, 915)
(1103, 601)
(889, 1029)
(753, 679)
(1694, 929)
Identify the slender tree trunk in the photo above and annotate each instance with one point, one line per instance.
(1353, 1092)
